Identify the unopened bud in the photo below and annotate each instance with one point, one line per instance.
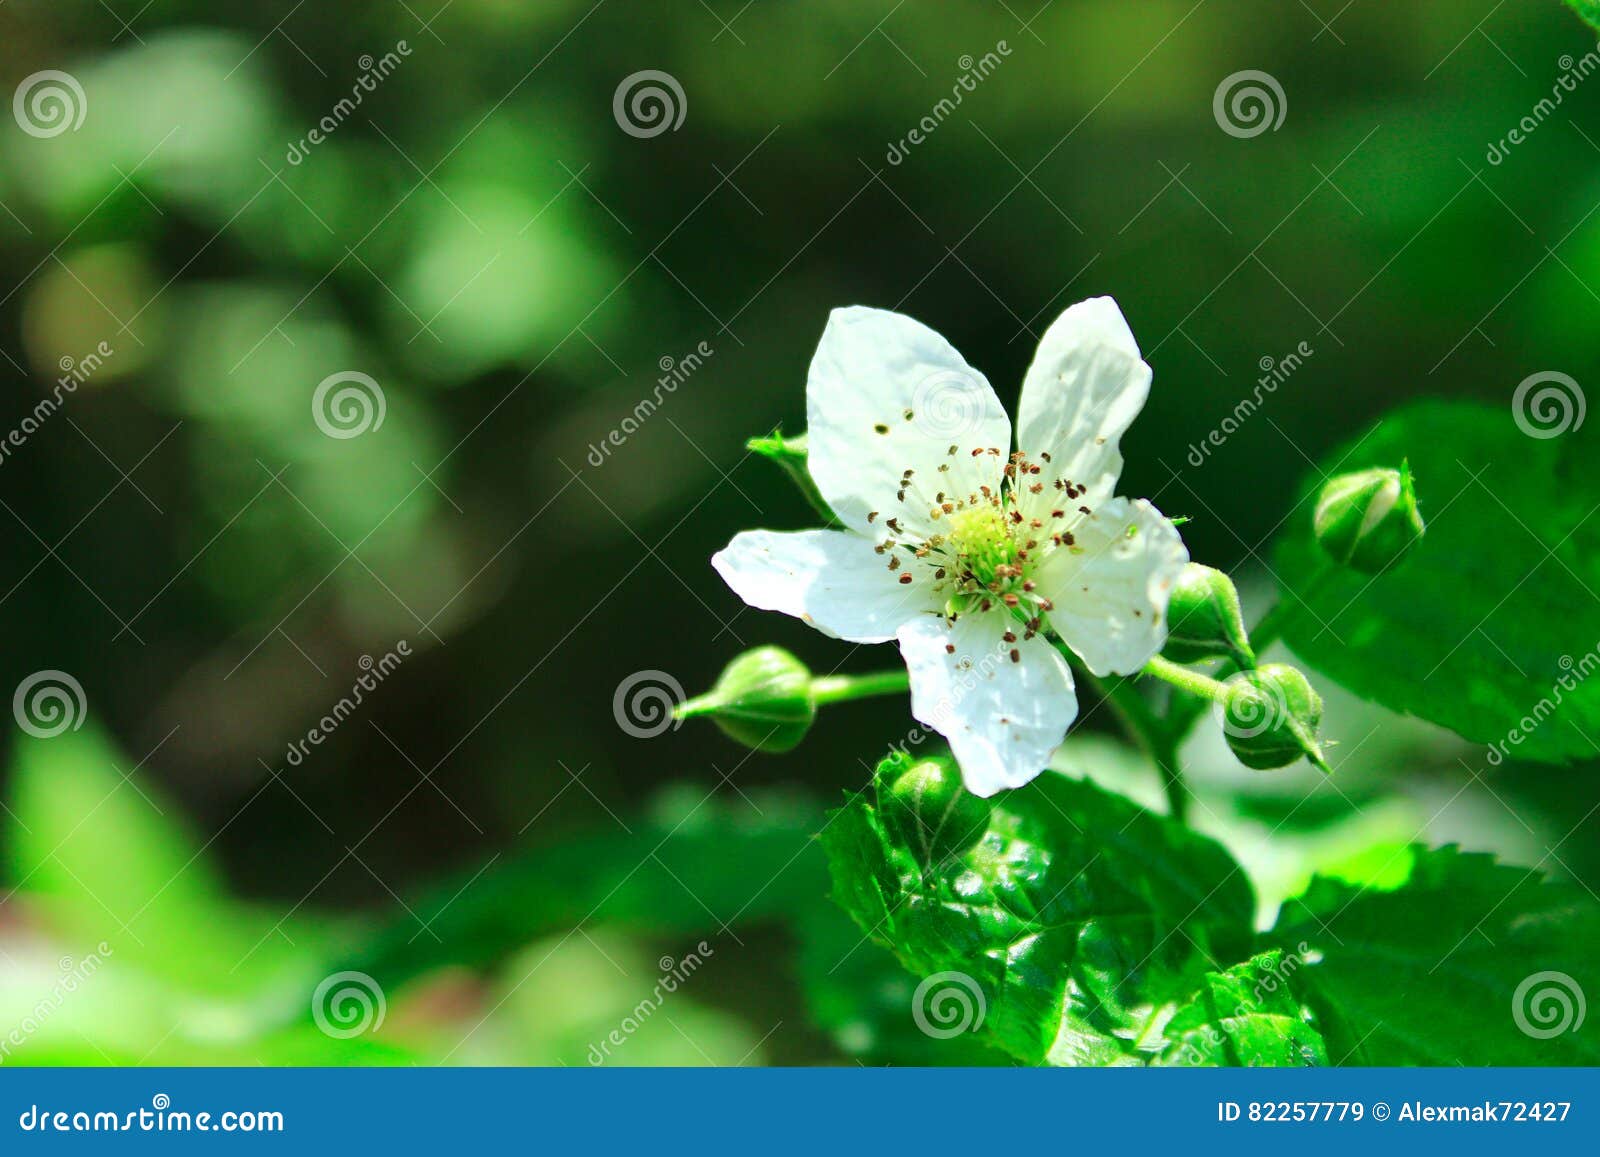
(762, 700)
(1270, 717)
(1368, 519)
(1204, 620)
(930, 811)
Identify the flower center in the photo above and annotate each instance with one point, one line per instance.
(982, 557)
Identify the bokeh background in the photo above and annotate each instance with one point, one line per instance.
(486, 241)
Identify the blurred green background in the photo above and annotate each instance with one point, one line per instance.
(482, 238)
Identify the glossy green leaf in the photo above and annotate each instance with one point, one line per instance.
(1489, 625)
(1074, 922)
(1246, 1016)
(1469, 962)
(1587, 9)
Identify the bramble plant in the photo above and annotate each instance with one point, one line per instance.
(1076, 926)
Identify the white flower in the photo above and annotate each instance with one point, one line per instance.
(963, 551)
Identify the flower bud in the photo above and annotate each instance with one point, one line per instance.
(1270, 717)
(1368, 519)
(930, 811)
(762, 700)
(1204, 620)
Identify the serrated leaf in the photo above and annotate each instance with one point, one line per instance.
(1081, 919)
(1246, 1016)
(1437, 971)
(1489, 624)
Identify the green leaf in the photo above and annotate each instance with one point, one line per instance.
(687, 866)
(1489, 624)
(1588, 10)
(1444, 970)
(857, 992)
(95, 844)
(1246, 1016)
(1082, 920)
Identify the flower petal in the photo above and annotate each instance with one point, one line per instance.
(831, 579)
(886, 394)
(1003, 718)
(1110, 589)
(1084, 389)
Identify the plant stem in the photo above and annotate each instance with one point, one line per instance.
(1202, 686)
(1145, 728)
(842, 688)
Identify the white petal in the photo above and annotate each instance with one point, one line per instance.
(1110, 589)
(1003, 719)
(1084, 389)
(831, 579)
(887, 394)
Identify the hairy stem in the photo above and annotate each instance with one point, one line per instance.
(842, 688)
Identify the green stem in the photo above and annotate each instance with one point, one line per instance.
(1195, 683)
(1144, 727)
(842, 688)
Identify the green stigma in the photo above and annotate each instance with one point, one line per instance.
(982, 541)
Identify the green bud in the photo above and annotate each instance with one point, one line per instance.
(762, 700)
(1204, 620)
(791, 455)
(1368, 519)
(1270, 717)
(930, 810)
